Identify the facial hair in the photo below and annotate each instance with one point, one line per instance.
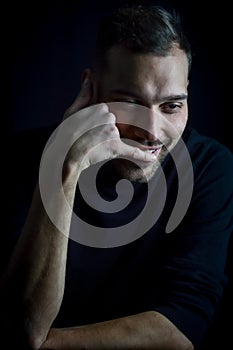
(131, 171)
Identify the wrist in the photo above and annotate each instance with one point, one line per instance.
(70, 173)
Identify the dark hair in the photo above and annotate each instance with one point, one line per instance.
(141, 29)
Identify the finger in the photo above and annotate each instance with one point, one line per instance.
(136, 154)
(82, 100)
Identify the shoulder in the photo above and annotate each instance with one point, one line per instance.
(213, 174)
(201, 145)
(208, 154)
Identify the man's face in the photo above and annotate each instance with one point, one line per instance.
(151, 94)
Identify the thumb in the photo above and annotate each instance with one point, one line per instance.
(82, 100)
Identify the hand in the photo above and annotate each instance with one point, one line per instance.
(93, 134)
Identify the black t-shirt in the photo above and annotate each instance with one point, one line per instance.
(180, 272)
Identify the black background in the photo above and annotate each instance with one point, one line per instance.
(46, 46)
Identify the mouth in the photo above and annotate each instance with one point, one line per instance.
(152, 149)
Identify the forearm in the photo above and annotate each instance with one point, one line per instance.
(32, 287)
(148, 330)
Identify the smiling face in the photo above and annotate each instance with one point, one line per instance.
(156, 89)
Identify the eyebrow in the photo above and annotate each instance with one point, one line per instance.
(173, 97)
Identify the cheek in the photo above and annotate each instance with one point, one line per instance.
(180, 120)
(181, 123)
(174, 126)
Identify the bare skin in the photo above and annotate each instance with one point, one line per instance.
(38, 264)
(163, 94)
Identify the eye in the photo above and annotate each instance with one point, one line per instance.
(124, 100)
(172, 107)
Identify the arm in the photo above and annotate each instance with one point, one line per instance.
(148, 330)
(33, 283)
(43, 276)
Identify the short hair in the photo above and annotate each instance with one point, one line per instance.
(141, 29)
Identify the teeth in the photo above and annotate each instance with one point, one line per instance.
(150, 150)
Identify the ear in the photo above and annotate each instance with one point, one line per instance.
(88, 74)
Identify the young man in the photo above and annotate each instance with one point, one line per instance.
(123, 265)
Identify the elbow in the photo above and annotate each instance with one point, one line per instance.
(34, 342)
(21, 328)
(15, 335)
(29, 334)
(34, 338)
(187, 346)
(183, 344)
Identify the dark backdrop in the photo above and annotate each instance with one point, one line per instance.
(48, 44)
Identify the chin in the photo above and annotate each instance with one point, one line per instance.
(132, 172)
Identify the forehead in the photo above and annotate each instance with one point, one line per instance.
(145, 70)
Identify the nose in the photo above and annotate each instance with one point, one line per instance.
(149, 126)
(139, 122)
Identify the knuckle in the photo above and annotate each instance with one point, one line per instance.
(136, 152)
(114, 145)
(110, 128)
(111, 117)
(101, 107)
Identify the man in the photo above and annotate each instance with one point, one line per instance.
(151, 274)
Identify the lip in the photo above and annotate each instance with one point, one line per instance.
(154, 149)
(157, 151)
